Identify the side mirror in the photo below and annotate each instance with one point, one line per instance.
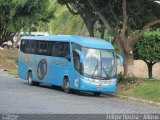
(120, 58)
(80, 54)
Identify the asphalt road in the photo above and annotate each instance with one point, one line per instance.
(16, 96)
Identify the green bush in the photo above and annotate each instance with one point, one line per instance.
(16, 60)
(120, 77)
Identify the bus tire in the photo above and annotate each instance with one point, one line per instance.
(66, 86)
(30, 79)
(96, 93)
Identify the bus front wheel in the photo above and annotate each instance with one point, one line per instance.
(66, 86)
(30, 80)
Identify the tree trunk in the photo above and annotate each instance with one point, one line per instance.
(128, 66)
(126, 50)
(91, 31)
(150, 71)
(150, 67)
(102, 32)
(89, 26)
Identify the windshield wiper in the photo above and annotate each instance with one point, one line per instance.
(95, 69)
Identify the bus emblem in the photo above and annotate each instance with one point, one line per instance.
(42, 69)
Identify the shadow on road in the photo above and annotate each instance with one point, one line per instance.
(75, 92)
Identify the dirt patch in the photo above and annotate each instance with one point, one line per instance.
(8, 59)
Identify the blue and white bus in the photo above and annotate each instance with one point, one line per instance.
(71, 62)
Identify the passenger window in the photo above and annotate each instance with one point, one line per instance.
(26, 46)
(42, 48)
(49, 49)
(22, 47)
(66, 50)
(61, 49)
(32, 47)
(56, 50)
(76, 61)
(76, 57)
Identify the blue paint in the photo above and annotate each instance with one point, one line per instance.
(120, 58)
(59, 67)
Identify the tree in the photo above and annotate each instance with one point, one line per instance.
(18, 14)
(83, 8)
(122, 18)
(148, 49)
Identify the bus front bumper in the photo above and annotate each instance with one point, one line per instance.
(99, 86)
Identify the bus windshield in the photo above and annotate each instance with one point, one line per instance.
(99, 63)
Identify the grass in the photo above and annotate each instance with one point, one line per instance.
(13, 72)
(144, 89)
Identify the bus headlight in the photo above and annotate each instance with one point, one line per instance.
(113, 81)
(86, 80)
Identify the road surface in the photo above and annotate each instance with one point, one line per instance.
(16, 96)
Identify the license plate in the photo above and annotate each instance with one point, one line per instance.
(99, 88)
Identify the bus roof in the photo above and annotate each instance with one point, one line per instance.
(81, 40)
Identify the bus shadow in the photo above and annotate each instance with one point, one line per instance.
(75, 92)
(90, 94)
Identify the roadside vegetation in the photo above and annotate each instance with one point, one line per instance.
(143, 88)
(66, 23)
(9, 59)
(13, 72)
(148, 49)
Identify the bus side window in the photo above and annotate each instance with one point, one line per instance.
(49, 49)
(76, 61)
(55, 50)
(32, 47)
(76, 57)
(42, 48)
(22, 46)
(66, 51)
(61, 49)
(26, 46)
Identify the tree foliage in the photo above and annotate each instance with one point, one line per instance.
(148, 49)
(121, 18)
(64, 22)
(83, 8)
(18, 14)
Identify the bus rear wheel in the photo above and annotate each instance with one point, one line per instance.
(30, 80)
(66, 86)
(96, 93)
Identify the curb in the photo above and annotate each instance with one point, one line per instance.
(138, 100)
